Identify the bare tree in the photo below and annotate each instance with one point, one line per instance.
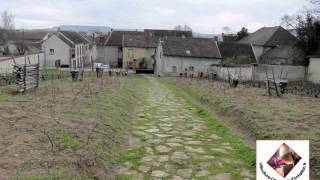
(289, 21)
(7, 20)
(226, 29)
(183, 28)
(6, 28)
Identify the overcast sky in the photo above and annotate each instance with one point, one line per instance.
(205, 16)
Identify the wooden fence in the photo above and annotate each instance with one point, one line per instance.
(26, 76)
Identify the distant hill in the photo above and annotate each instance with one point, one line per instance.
(82, 28)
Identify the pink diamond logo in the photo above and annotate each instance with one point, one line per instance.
(284, 160)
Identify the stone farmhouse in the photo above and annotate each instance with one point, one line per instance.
(237, 59)
(120, 51)
(113, 49)
(66, 49)
(139, 51)
(178, 56)
(276, 50)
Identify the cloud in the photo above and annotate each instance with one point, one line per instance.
(205, 16)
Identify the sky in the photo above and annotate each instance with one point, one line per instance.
(203, 16)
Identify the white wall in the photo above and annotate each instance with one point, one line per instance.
(242, 73)
(314, 70)
(61, 51)
(181, 63)
(6, 63)
(293, 73)
(165, 64)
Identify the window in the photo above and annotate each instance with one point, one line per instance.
(174, 69)
(188, 52)
(130, 53)
(51, 51)
(191, 68)
(160, 55)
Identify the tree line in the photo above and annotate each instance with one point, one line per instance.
(307, 26)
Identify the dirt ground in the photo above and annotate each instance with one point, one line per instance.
(255, 115)
(65, 129)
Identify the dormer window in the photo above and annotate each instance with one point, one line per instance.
(188, 52)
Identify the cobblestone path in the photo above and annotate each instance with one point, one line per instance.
(169, 141)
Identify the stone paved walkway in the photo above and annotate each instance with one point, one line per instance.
(171, 142)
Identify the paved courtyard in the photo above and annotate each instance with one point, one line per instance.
(172, 142)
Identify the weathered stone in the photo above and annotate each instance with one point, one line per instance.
(215, 137)
(229, 148)
(163, 158)
(163, 135)
(202, 173)
(154, 141)
(147, 158)
(166, 128)
(188, 133)
(169, 168)
(195, 149)
(186, 173)
(193, 143)
(165, 125)
(177, 178)
(206, 157)
(163, 149)
(144, 169)
(222, 176)
(204, 165)
(175, 140)
(149, 151)
(174, 144)
(152, 130)
(179, 157)
(219, 150)
(159, 174)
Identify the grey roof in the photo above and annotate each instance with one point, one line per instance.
(229, 37)
(235, 53)
(283, 55)
(73, 36)
(116, 37)
(31, 35)
(139, 41)
(168, 33)
(270, 36)
(190, 47)
(65, 40)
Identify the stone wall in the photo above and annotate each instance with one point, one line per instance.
(6, 63)
(314, 70)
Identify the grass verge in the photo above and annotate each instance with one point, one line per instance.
(241, 148)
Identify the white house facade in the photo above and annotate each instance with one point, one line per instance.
(66, 49)
(186, 56)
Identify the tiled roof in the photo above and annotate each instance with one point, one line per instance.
(234, 53)
(270, 36)
(74, 37)
(229, 38)
(190, 47)
(31, 35)
(284, 55)
(140, 41)
(168, 33)
(116, 37)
